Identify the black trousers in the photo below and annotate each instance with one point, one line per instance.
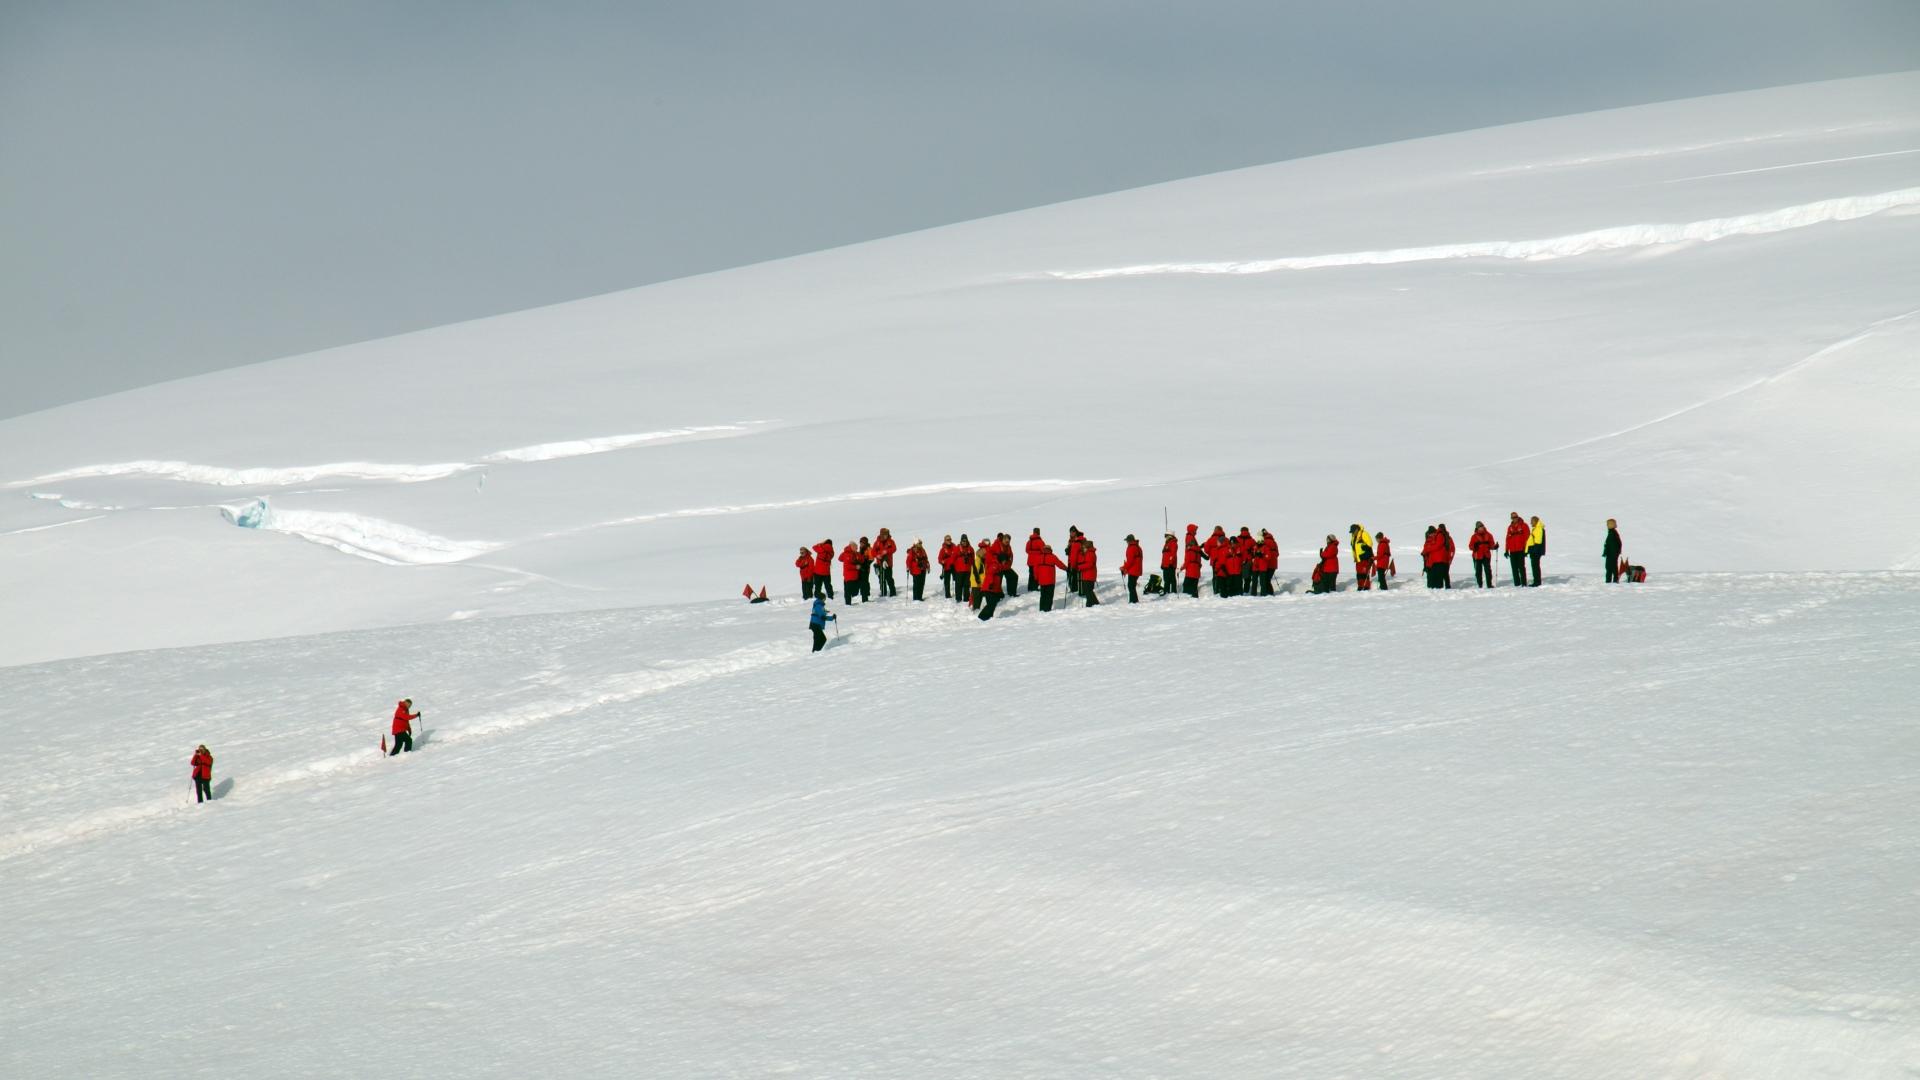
(1011, 579)
(986, 607)
(1133, 588)
(1192, 587)
(1046, 598)
(886, 581)
(1433, 577)
(866, 586)
(1381, 573)
(826, 584)
(402, 741)
(1266, 583)
(919, 586)
(819, 639)
(1518, 561)
(1613, 571)
(851, 587)
(1322, 583)
(202, 789)
(1031, 584)
(1086, 590)
(1483, 573)
(1533, 556)
(960, 587)
(946, 583)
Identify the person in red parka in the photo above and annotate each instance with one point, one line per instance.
(403, 718)
(863, 557)
(917, 568)
(1268, 554)
(1447, 551)
(1382, 558)
(849, 574)
(1431, 554)
(805, 565)
(823, 569)
(945, 558)
(1518, 532)
(1132, 564)
(963, 570)
(1169, 563)
(1035, 545)
(202, 762)
(1228, 566)
(1326, 575)
(1481, 546)
(1008, 570)
(1044, 575)
(1086, 569)
(991, 581)
(883, 552)
(1074, 540)
(1190, 563)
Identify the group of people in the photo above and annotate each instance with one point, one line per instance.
(1235, 564)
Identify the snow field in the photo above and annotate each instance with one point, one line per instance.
(1577, 831)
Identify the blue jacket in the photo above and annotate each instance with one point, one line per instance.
(818, 620)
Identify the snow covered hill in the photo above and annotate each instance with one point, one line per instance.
(1572, 832)
(1699, 318)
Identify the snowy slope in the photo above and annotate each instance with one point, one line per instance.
(1573, 832)
(1699, 317)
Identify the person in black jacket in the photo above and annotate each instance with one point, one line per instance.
(1610, 551)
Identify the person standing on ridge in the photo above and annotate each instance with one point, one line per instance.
(1536, 547)
(1382, 559)
(1482, 544)
(1326, 575)
(1610, 551)
(403, 718)
(917, 568)
(1035, 545)
(1087, 569)
(823, 568)
(1447, 551)
(1517, 536)
(818, 620)
(805, 564)
(1169, 559)
(1131, 566)
(202, 762)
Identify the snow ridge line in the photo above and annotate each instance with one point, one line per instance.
(613, 690)
(285, 476)
(370, 538)
(1614, 238)
(945, 488)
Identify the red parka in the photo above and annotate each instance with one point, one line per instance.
(822, 559)
(990, 569)
(1330, 558)
(202, 763)
(1169, 556)
(805, 564)
(1447, 548)
(1133, 563)
(1433, 550)
(1481, 544)
(850, 563)
(402, 718)
(1086, 563)
(1036, 547)
(916, 560)
(1382, 551)
(1518, 532)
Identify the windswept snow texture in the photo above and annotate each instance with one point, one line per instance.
(1567, 833)
(1694, 317)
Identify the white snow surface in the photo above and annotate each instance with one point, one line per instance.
(1581, 831)
(1700, 318)
(1568, 832)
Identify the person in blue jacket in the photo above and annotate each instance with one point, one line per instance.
(818, 622)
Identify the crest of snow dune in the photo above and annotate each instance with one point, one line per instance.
(582, 447)
(1553, 247)
(367, 537)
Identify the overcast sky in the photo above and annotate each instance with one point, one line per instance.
(186, 186)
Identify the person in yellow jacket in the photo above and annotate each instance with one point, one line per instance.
(1536, 546)
(979, 568)
(1362, 547)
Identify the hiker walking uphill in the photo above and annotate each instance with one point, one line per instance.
(1610, 551)
(1482, 544)
(1536, 546)
(202, 762)
(1517, 535)
(403, 718)
(1131, 565)
(818, 620)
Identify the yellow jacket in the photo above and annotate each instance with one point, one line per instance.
(1359, 538)
(1538, 537)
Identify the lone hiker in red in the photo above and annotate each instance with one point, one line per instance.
(1043, 574)
(1481, 545)
(202, 762)
(1518, 533)
(823, 569)
(1131, 564)
(1086, 569)
(403, 718)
